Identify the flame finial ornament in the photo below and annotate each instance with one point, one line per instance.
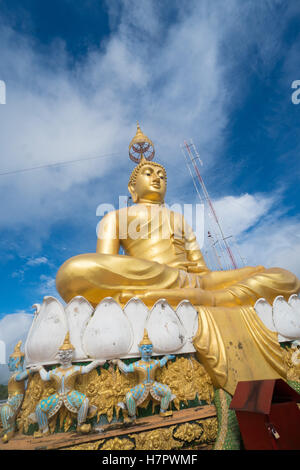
(141, 147)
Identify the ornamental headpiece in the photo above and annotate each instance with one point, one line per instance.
(66, 344)
(146, 339)
(17, 351)
(141, 151)
(141, 146)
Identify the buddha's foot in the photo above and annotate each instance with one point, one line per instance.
(7, 436)
(84, 428)
(164, 414)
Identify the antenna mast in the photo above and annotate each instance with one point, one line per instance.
(190, 153)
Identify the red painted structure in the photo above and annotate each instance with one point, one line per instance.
(268, 415)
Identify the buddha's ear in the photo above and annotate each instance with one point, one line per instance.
(131, 189)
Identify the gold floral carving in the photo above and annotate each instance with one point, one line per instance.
(202, 431)
(188, 432)
(185, 376)
(291, 357)
(86, 446)
(210, 429)
(118, 444)
(187, 379)
(106, 390)
(158, 439)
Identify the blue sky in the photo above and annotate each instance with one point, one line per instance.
(80, 74)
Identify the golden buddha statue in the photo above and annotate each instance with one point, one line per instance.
(163, 259)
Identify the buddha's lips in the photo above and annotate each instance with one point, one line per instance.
(155, 185)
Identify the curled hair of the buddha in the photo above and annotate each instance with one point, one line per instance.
(138, 168)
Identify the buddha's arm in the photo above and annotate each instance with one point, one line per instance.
(193, 251)
(108, 235)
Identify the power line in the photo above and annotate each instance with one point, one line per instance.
(49, 165)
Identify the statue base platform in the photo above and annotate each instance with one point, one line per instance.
(194, 427)
(207, 343)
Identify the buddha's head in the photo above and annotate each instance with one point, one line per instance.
(148, 182)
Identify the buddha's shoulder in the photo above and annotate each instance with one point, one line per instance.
(112, 215)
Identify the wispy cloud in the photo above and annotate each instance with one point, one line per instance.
(263, 233)
(37, 261)
(181, 79)
(47, 285)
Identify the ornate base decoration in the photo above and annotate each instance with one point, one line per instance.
(191, 427)
(105, 387)
(228, 431)
(291, 357)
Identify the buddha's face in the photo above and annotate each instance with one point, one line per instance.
(150, 185)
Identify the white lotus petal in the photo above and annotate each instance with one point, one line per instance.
(286, 320)
(137, 313)
(165, 329)
(78, 312)
(294, 302)
(108, 334)
(47, 333)
(189, 318)
(265, 313)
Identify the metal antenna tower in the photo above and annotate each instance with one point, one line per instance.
(190, 153)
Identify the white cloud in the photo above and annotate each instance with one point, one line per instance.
(274, 243)
(37, 261)
(263, 235)
(172, 79)
(180, 81)
(13, 328)
(47, 286)
(238, 214)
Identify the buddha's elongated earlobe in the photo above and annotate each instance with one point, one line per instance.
(133, 193)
